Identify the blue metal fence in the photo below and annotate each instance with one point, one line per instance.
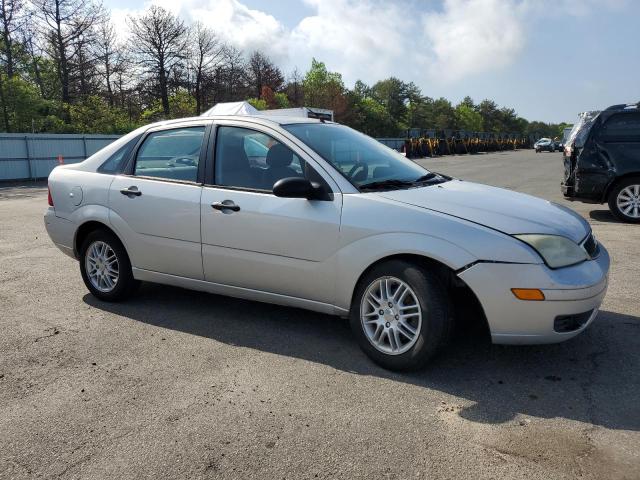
(395, 143)
(32, 156)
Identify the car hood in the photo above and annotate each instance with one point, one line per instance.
(503, 210)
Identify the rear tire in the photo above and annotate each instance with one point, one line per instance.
(105, 267)
(624, 200)
(415, 321)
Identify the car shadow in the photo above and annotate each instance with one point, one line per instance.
(551, 381)
(604, 216)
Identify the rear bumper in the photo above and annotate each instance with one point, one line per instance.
(589, 186)
(61, 232)
(572, 298)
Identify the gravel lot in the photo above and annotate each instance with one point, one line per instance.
(180, 384)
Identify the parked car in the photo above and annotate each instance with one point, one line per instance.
(558, 146)
(331, 221)
(544, 145)
(602, 160)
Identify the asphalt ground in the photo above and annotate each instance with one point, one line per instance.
(181, 384)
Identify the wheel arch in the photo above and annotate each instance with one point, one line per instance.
(85, 229)
(460, 294)
(616, 181)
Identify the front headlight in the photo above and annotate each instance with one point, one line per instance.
(556, 251)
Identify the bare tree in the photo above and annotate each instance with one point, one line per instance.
(106, 51)
(207, 53)
(233, 74)
(263, 73)
(3, 101)
(12, 17)
(159, 42)
(86, 65)
(295, 92)
(34, 54)
(67, 25)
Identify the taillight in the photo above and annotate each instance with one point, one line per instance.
(49, 198)
(567, 151)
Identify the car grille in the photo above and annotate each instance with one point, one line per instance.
(591, 246)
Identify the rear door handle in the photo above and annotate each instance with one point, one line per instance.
(226, 205)
(131, 191)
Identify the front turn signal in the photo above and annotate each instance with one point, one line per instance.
(531, 294)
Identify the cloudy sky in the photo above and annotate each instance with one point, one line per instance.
(549, 59)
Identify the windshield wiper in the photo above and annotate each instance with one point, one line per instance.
(432, 178)
(429, 178)
(425, 178)
(386, 184)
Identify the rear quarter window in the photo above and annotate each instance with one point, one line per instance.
(115, 163)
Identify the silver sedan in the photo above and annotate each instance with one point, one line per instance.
(315, 215)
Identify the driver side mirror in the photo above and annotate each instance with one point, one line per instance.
(298, 187)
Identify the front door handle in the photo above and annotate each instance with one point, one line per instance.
(226, 205)
(131, 191)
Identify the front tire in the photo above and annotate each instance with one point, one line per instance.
(624, 200)
(105, 267)
(400, 315)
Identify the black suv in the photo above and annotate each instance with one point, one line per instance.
(602, 160)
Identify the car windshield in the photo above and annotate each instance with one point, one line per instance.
(581, 129)
(365, 162)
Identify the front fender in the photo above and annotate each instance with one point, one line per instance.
(400, 229)
(355, 258)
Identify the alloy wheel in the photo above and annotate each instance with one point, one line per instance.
(391, 316)
(628, 201)
(102, 266)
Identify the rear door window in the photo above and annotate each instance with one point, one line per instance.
(623, 127)
(171, 154)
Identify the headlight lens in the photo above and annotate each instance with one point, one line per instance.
(556, 251)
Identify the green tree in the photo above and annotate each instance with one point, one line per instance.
(258, 103)
(468, 101)
(488, 109)
(281, 100)
(324, 89)
(22, 105)
(181, 104)
(444, 114)
(467, 118)
(393, 94)
(420, 113)
(369, 116)
(94, 115)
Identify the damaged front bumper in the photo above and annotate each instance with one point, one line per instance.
(572, 298)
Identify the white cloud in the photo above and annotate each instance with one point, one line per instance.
(374, 39)
(246, 28)
(360, 39)
(473, 36)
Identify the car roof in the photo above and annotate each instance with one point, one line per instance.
(261, 119)
(623, 106)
